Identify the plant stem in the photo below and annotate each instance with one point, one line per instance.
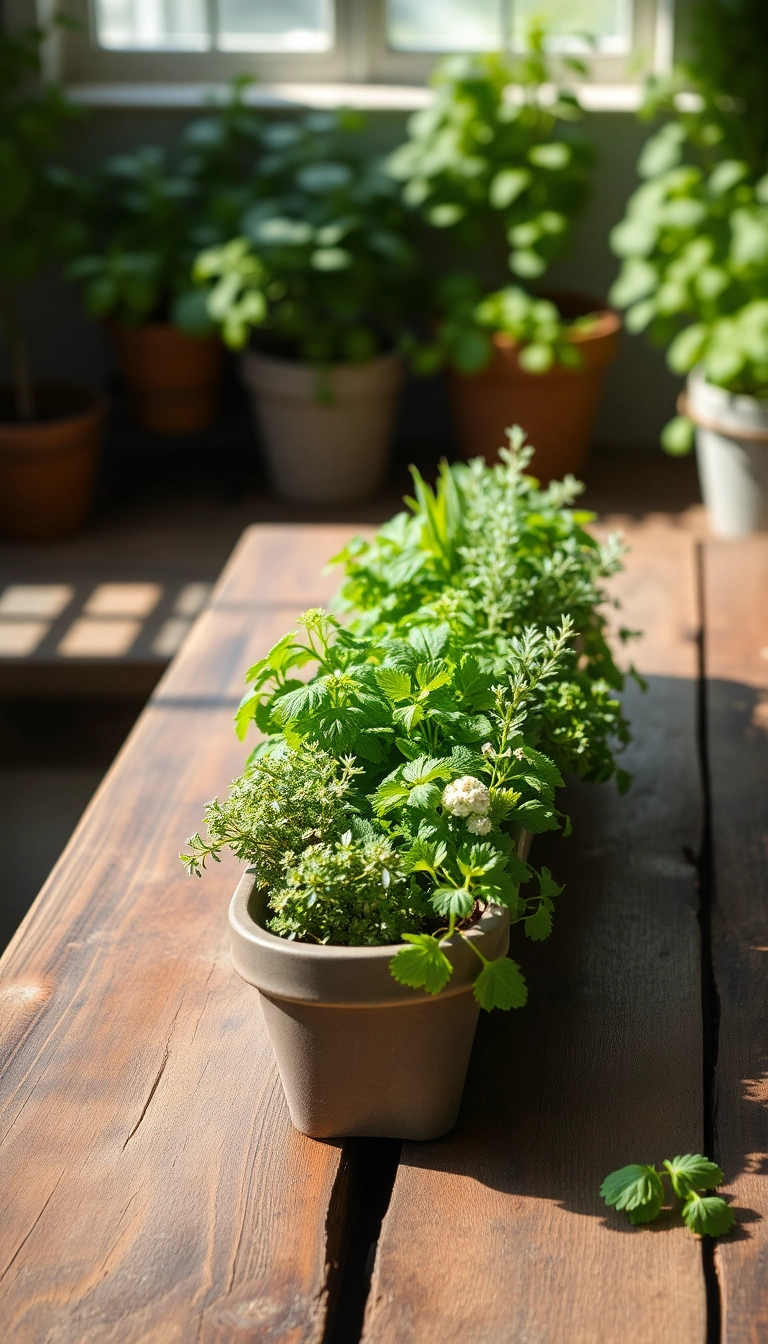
(20, 368)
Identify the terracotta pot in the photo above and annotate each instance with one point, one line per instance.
(357, 1053)
(325, 451)
(732, 455)
(48, 466)
(557, 409)
(172, 379)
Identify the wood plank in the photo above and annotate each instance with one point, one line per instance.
(497, 1232)
(736, 662)
(151, 1185)
(266, 552)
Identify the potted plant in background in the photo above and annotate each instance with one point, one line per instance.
(494, 167)
(386, 814)
(49, 434)
(694, 249)
(318, 282)
(147, 214)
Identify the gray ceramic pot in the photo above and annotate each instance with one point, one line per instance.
(732, 453)
(358, 1053)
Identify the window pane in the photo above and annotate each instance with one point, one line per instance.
(607, 20)
(275, 25)
(152, 25)
(445, 25)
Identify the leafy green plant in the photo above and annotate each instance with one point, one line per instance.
(694, 240)
(147, 214)
(639, 1191)
(486, 555)
(493, 165)
(36, 223)
(321, 269)
(391, 790)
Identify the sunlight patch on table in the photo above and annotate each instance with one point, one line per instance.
(123, 599)
(99, 638)
(18, 639)
(36, 599)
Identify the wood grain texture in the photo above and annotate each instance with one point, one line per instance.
(736, 663)
(497, 1232)
(151, 1186)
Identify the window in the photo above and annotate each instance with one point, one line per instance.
(382, 41)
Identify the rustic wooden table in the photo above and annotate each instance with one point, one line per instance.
(151, 1185)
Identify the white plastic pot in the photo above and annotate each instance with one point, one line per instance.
(732, 455)
(331, 450)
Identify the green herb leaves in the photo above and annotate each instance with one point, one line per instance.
(693, 1172)
(639, 1192)
(407, 751)
(707, 1215)
(501, 984)
(423, 965)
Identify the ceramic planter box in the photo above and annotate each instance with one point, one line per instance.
(732, 455)
(358, 1053)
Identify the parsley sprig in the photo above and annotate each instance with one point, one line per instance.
(639, 1192)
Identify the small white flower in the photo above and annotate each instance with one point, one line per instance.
(519, 752)
(466, 797)
(487, 749)
(479, 825)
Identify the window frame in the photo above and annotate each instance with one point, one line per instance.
(360, 55)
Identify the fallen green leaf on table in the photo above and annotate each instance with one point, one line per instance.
(639, 1191)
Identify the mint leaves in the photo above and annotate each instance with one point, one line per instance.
(639, 1192)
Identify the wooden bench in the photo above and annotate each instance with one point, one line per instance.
(151, 1186)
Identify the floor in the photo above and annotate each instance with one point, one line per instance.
(88, 624)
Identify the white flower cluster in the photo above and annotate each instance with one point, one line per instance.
(468, 797)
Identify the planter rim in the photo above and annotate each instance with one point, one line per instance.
(95, 404)
(607, 323)
(598, 347)
(258, 356)
(332, 974)
(734, 414)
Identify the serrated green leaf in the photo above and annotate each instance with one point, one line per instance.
(645, 1213)
(501, 984)
(390, 793)
(424, 796)
(547, 885)
(423, 965)
(693, 1172)
(707, 1215)
(408, 716)
(539, 925)
(396, 685)
(544, 767)
(633, 1187)
(453, 901)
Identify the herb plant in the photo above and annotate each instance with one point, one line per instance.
(36, 221)
(488, 554)
(148, 213)
(639, 1191)
(391, 792)
(321, 268)
(694, 241)
(494, 166)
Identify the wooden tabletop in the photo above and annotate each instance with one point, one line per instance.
(152, 1188)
